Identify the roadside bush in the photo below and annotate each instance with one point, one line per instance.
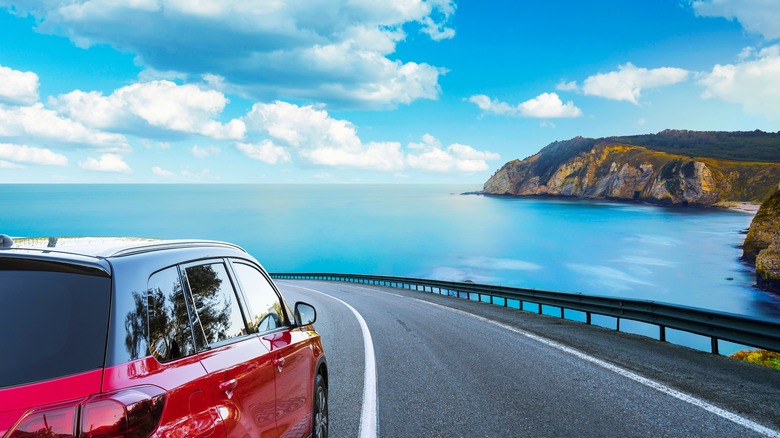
(760, 357)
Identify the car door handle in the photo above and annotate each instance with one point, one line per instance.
(228, 386)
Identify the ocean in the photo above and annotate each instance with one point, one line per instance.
(687, 256)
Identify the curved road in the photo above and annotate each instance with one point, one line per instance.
(444, 367)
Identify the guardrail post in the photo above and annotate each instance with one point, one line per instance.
(662, 334)
(714, 343)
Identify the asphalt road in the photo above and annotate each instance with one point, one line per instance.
(446, 367)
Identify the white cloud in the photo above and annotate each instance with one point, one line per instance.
(204, 151)
(335, 51)
(36, 123)
(433, 157)
(265, 151)
(321, 139)
(567, 86)
(184, 175)
(753, 83)
(159, 171)
(106, 163)
(160, 104)
(543, 106)
(18, 87)
(9, 165)
(756, 16)
(32, 155)
(628, 82)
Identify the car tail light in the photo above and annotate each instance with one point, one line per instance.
(129, 413)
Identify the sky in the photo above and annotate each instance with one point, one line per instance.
(363, 91)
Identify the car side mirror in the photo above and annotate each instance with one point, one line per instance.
(305, 314)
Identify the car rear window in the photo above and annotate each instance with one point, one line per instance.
(53, 322)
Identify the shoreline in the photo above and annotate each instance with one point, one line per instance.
(742, 207)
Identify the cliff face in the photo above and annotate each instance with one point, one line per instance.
(600, 168)
(762, 244)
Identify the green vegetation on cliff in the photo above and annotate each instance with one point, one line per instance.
(673, 167)
(739, 146)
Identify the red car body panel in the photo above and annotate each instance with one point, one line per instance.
(189, 408)
(15, 401)
(242, 383)
(292, 352)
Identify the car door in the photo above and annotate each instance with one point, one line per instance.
(240, 368)
(191, 410)
(293, 360)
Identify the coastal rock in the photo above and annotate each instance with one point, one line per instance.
(611, 169)
(762, 244)
(764, 229)
(768, 268)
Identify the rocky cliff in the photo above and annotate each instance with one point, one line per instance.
(762, 244)
(612, 168)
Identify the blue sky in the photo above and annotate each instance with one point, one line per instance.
(363, 91)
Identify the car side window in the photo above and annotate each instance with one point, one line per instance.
(266, 312)
(170, 332)
(216, 303)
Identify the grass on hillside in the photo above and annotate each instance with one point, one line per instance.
(760, 357)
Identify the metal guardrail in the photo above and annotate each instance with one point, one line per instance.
(744, 330)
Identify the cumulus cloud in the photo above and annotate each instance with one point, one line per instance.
(321, 139)
(543, 106)
(31, 155)
(159, 171)
(18, 87)
(204, 151)
(431, 156)
(106, 163)
(9, 165)
(313, 135)
(753, 83)
(36, 123)
(334, 50)
(185, 174)
(159, 104)
(628, 82)
(756, 16)
(265, 151)
(567, 86)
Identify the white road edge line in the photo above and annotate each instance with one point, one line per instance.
(368, 416)
(742, 421)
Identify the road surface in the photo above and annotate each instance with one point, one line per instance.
(415, 364)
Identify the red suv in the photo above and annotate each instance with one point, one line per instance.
(137, 338)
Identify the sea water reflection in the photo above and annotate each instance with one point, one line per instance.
(674, 255)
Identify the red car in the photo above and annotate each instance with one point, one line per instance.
(149, 338)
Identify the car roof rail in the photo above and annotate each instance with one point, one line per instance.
(170, 244)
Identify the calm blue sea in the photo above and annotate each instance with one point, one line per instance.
(682, 256)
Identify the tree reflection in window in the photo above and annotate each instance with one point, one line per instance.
(266, 308)
(215, 302)
(170, 332)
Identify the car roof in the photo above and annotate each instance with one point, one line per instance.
(104, 247)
